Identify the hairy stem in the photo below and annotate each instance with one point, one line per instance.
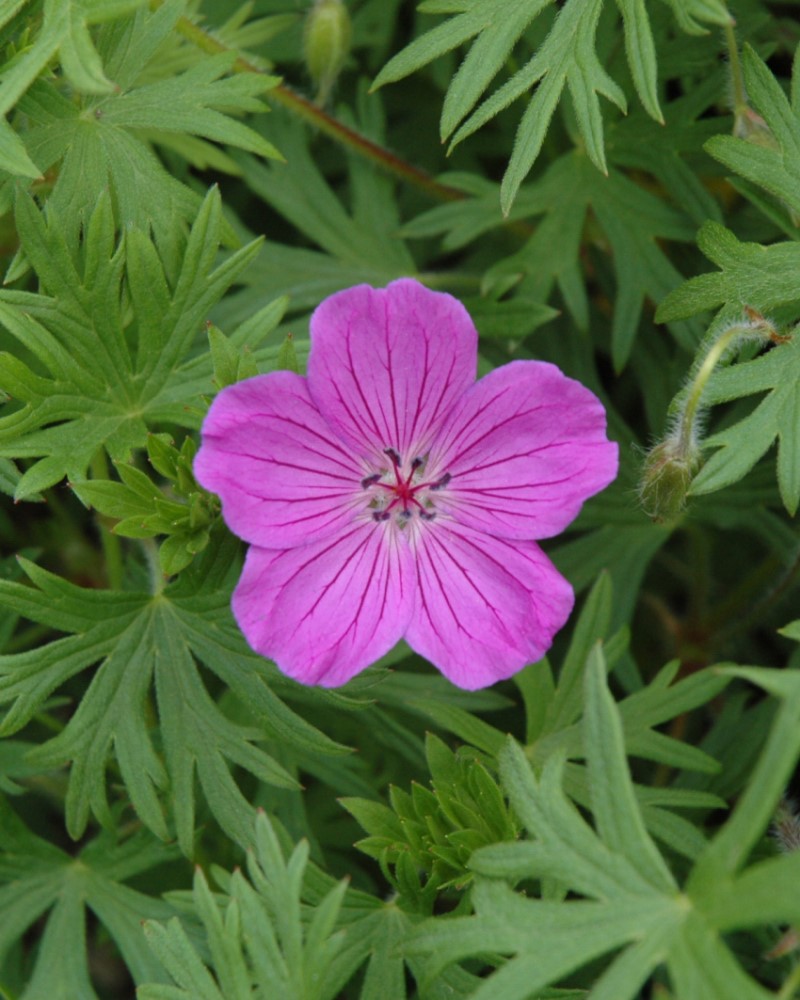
(755, 326)
(739, 94)
(157, 580)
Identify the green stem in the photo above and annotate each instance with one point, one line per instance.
(157, 581)
(686, 441)
(112, 549)
(737, 78)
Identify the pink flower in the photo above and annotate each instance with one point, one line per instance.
(389, 495)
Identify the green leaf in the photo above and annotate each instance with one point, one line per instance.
(41, 883)
(499, 30)
(619, 823)
(729, 849)
(64, 30)
(434, 831)
(633, 221)
(750, 274)
(360, 244)
(567, 702)
(624, 902)
(641, 53)
(188, 102)
(565, 59)
(14, 158)
(139, 640)
(257, 939)
(102, 142)
(692, 14)
(96, 394)
(769, 156)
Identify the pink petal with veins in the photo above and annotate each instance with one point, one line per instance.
(283, 476)
(524, 447)
(389, 495)
(326, 610)
(387, 364)
(485, 607)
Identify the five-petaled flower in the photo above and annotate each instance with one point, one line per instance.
(389, 495)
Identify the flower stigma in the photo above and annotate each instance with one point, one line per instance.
(406, 494)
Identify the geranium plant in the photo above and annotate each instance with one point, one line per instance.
(400, 466)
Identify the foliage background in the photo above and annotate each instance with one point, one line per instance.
(614, 187)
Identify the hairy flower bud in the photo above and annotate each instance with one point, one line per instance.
(666, 477)
(326, 43)
(670, 466)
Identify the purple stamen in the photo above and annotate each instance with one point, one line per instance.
(403, 492)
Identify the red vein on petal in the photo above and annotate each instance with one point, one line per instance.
(418, 410)
(281, 421)
(500, 425)
(351, 480)
(434, 415)
(482, 597)
(359, 552)
(355, 420)
(360, 548)
(431, 565)
(390, 375)
(381, 432)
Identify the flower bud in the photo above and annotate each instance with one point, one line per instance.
(326, 43)
(666, 477)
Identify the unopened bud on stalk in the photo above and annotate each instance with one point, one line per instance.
(326, 44)
(666, 477)
(670, 466)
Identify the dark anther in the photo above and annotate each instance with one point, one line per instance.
(393, 455)
(370, 480)
(381, 515)
(417, 463)
(442, 482)
(427, 516)
(405, 514)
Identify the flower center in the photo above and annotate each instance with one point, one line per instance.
(402, 493)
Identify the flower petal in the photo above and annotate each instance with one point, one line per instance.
(485, 607)
(387, 364)
(326, 610)
(283, 475)
(524, 447)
